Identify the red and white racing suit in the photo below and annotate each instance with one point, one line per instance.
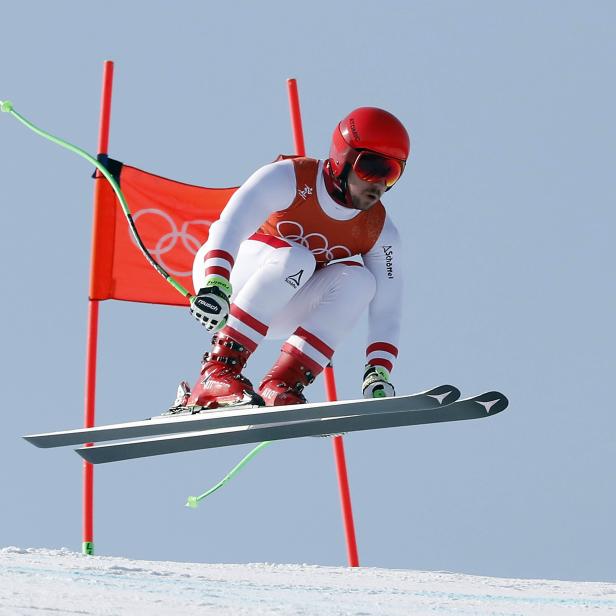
(303, 267)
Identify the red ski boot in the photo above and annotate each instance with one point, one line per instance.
(221, 382)
(284, 382)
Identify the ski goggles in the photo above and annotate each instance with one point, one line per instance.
(372, 167)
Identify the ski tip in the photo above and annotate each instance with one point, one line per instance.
(35, 439)
(89, 454)
(48, 440)
(493, 402)
(444, 394)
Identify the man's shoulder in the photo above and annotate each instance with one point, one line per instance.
(288, 167)
(274, 182)
(297, 159)
(277, 171)
(390, 229)
(304, 169)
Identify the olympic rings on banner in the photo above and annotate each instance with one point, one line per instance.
(167, 242)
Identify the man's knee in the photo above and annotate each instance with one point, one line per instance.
(299, 264)
(355, 276)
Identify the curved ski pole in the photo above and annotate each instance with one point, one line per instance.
(193, 501)
(7, 107)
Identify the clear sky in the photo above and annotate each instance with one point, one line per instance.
(507, 210)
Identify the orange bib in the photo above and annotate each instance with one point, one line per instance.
(304, 221)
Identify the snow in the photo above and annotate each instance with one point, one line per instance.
(35, 581)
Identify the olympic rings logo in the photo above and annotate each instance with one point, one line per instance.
(174, 239)
(321, 249)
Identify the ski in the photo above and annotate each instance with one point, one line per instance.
(241, 416)
(483, 405)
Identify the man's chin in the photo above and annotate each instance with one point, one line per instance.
(364, 204)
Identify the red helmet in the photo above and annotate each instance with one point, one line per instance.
(367, 128)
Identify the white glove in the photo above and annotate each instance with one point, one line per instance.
(376, 383)
(211, 305)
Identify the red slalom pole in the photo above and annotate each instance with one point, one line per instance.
(330, 383)
(87, 545)
(343, 478)
(296, 118)
(92, 331)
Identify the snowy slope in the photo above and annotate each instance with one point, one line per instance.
(35, 581)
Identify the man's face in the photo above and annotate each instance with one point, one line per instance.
(364, 194)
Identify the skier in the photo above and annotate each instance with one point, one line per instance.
(300, 250)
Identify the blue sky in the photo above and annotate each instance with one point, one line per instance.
(507, 212)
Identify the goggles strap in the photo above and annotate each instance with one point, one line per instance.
(336, 186)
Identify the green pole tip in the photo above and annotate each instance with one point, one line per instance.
(87, 548)
(6, 106)
(192, 502)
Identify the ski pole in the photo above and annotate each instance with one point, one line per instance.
(7, 107)
(193, 501)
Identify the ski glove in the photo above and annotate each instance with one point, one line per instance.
(211, 305)
(376, 383)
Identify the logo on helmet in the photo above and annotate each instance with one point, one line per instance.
(354, 130)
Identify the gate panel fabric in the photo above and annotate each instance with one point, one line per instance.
(173, 220)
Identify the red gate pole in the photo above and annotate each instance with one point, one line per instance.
(343, 479)
(92, 327)
(330, 383)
